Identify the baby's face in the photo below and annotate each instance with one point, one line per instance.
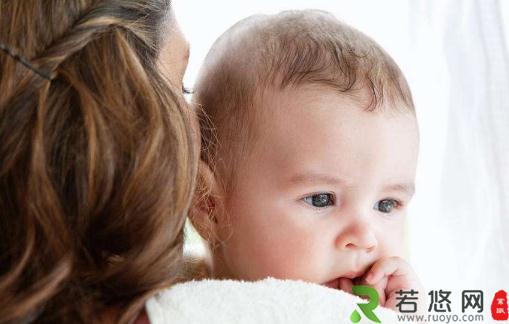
(324, 193)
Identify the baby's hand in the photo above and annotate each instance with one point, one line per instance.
(387, 276)
(390, 275)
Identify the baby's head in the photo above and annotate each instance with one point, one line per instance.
(309, 150)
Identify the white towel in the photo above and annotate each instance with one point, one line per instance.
(265, 301)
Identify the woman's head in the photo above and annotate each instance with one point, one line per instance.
(97, 161)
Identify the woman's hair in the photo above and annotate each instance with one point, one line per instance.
(96, 160)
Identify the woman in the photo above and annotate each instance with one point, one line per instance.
(97, 158)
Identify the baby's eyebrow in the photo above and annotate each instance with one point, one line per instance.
(315, 178)
(408, 188)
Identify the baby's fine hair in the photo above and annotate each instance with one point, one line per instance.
(275, 52)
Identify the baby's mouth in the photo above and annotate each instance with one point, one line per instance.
(347, 279)
(335, 283)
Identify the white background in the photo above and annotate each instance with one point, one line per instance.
(455, 57)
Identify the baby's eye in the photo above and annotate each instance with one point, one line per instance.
(186, 90)
(320, 200)
(386, 205)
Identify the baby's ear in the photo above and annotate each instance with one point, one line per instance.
(207, 204)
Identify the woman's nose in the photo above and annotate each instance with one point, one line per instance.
(358, 235)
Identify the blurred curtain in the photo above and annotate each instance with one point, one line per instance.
(460, 224)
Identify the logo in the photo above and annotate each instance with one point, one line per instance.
(499, 307)
(366, 308)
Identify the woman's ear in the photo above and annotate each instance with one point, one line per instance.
(207, 209)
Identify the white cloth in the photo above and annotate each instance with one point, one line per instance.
(265, 301)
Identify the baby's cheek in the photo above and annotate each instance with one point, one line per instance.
(278, 243)
(392, 243)
(288, 259)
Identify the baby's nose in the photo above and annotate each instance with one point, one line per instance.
(357, 235)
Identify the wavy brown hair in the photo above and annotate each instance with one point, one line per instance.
(96, 160)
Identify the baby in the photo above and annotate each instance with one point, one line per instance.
(310, 146)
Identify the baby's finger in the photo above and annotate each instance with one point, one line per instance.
(379, 286)
(392, 266)
(407, 282)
